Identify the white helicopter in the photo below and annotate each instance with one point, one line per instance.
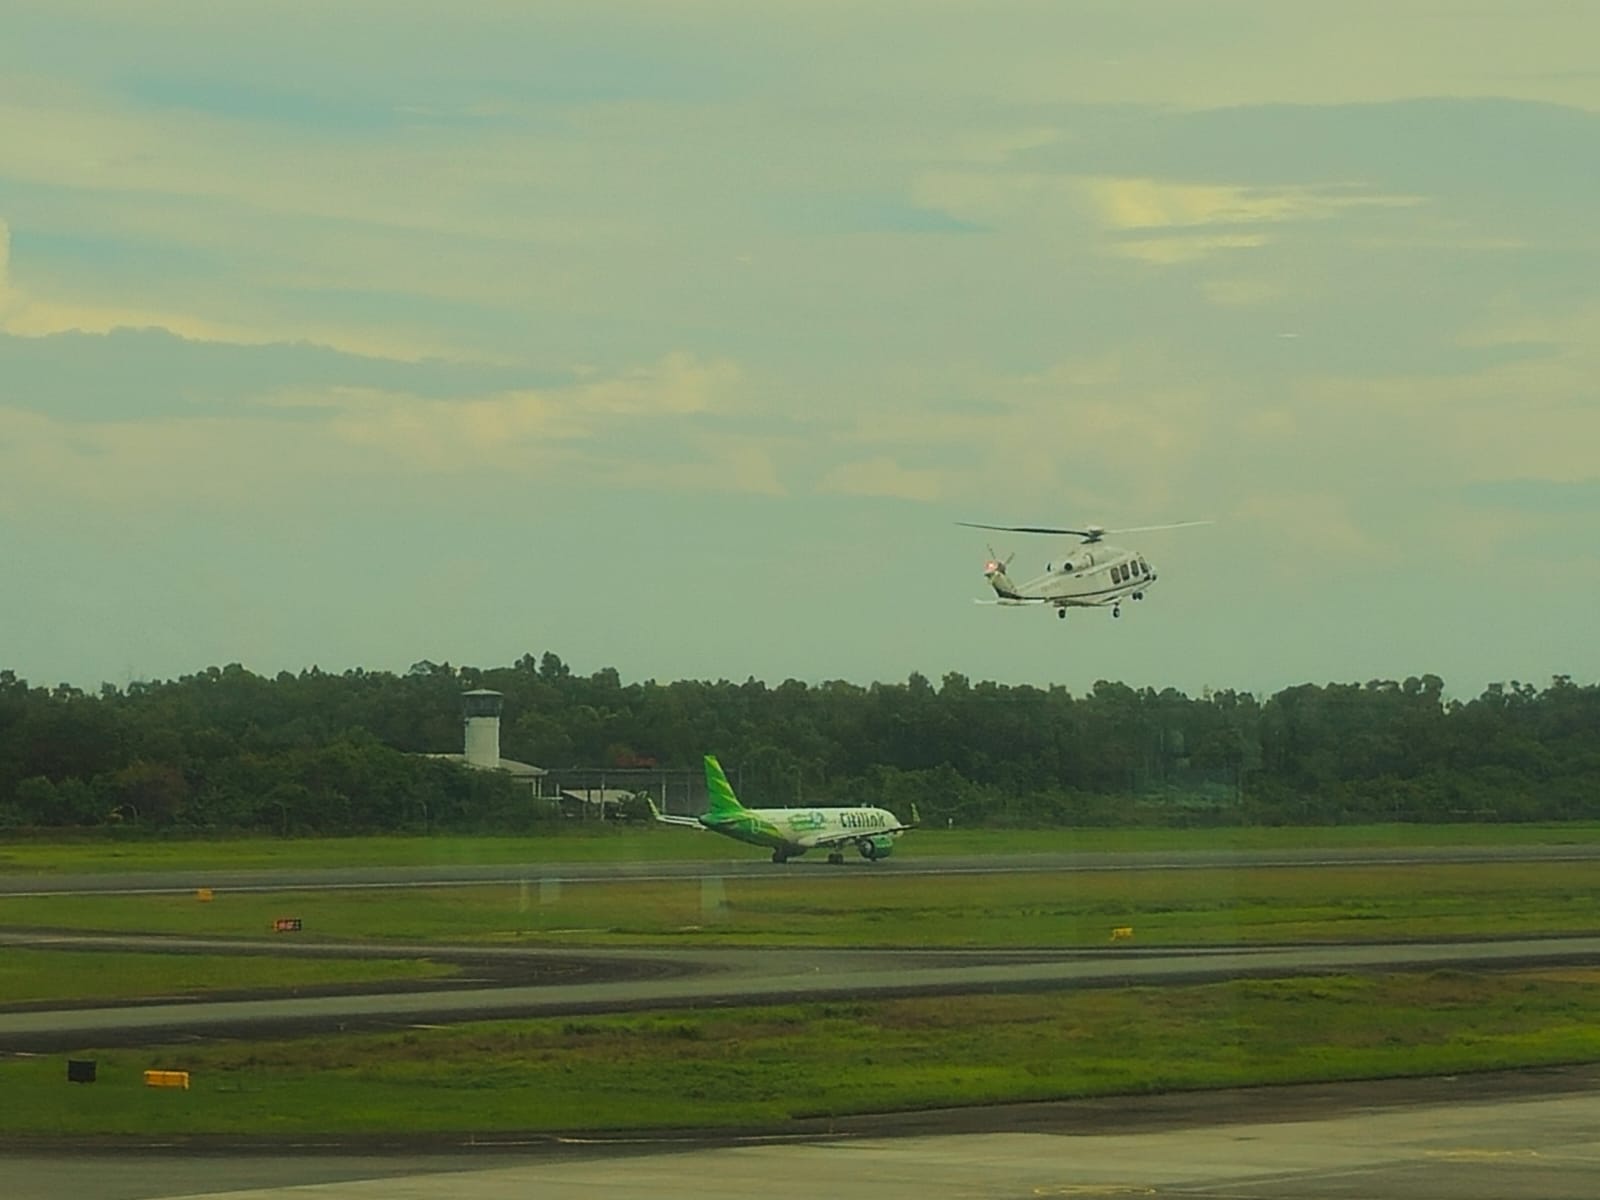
(1093, 575)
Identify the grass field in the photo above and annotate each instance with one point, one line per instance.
(31, 976)
(864, 908)
(587, 843)
(762, 1066)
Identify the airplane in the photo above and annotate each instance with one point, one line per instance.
(790, 832)
(1093, 576)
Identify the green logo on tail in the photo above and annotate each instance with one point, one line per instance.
(719, 792)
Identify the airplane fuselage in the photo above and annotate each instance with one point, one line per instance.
(793, 831)
(788, 832)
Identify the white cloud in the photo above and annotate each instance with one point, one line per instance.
(1102, 349)
(1137, 205)
(1287, 524)
(6, 297)
(727, 463)
(678, 385)
(26, 311)
(514, 430)
(881, 476)
(313, 439)
(1164, 252)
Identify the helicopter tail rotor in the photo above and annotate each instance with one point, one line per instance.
(997, 565)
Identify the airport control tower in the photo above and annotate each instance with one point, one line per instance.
(481, 711)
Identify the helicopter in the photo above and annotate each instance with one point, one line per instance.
(1093, 575)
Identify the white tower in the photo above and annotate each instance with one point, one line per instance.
(481, 710)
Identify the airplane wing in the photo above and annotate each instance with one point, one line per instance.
(669, 819)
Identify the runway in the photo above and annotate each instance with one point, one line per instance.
(906, 863)
(626, 980)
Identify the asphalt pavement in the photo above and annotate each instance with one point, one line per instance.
(747, 865)
(624, 980)
(1508, 1136)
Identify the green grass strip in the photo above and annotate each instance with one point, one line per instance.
(860, 907)
(67, 976)
(763, 1066)
(589, 843)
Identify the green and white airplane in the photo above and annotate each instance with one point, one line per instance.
(790, 832)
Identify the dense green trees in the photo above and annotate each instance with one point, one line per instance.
(226, 749)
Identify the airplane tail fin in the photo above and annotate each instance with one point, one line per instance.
(719, 792)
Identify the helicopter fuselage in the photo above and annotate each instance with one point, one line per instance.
(1088, 576)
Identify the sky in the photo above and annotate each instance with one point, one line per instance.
(677, 335)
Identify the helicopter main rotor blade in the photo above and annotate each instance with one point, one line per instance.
(1096, 534)
(1153, 528)
(1028, 529)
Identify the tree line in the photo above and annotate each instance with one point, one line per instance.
(226, 749)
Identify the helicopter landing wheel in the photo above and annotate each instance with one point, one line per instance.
(1061, 613)
(1116, 610)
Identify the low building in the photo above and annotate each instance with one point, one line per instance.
(607, 804)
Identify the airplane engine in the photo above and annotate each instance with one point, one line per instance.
(876, 848)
